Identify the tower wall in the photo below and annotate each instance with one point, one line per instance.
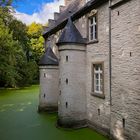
(72, 99)
(48, 98)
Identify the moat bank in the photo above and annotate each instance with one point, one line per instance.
(19, 119)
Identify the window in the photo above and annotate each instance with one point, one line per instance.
(93, 28)
(97, 88)
(45, 75)
(67, 58)
(67, 81)
(59, 81)
(98, 78)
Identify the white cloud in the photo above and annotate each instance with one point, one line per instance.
(46, 12)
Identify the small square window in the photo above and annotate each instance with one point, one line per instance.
(67, 58)
(67, 81)
(45, 75)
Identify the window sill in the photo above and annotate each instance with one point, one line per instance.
(98, 95)
(92, 42)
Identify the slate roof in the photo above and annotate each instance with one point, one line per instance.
(75, 11)
(48, 58)
(69, 10)
(70, 34)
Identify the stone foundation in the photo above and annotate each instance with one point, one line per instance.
(70, 123)
(98, 128)
(49, 109)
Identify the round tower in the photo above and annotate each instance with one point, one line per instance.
(49, 82)
(72, 94)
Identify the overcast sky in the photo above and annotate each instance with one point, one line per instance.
(38, 11)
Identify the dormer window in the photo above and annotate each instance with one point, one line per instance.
(93, 28)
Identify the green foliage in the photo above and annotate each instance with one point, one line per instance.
(5, 2)
(28, 72)
(20, 50)
(7, 57)
(19, 33)
(35, 30)
(36, 40)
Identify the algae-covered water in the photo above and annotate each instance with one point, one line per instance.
(19, 119)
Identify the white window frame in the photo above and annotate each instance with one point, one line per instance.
(93, 28)
(98, 87)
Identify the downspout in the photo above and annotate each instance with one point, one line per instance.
(110, 65)
(110, 53)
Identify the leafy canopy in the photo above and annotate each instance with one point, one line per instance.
(20, 49)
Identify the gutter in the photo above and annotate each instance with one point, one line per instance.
(110, 53)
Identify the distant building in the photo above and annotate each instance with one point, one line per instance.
(91, 70)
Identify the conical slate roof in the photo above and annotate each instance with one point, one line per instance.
(48, 58)
(70, 35)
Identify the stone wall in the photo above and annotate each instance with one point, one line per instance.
(72, 98)
(125, 110)
(98, 52)
(81, 25)
(67, 2)
(54, 39)
(48, 98)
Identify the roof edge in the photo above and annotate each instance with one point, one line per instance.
(70, 43)
(82, 11)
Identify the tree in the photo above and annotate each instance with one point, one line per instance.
(15, 70)
(35, 30)
(5, 2)
(36, 40)
(20, 34)
(20, 49)
(8, 49)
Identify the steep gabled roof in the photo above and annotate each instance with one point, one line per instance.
(70, 34)
(69, 10)
(48, 58)
(76, 13)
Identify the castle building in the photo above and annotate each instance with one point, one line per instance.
(90, 73)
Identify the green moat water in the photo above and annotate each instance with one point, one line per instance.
(19, 119)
